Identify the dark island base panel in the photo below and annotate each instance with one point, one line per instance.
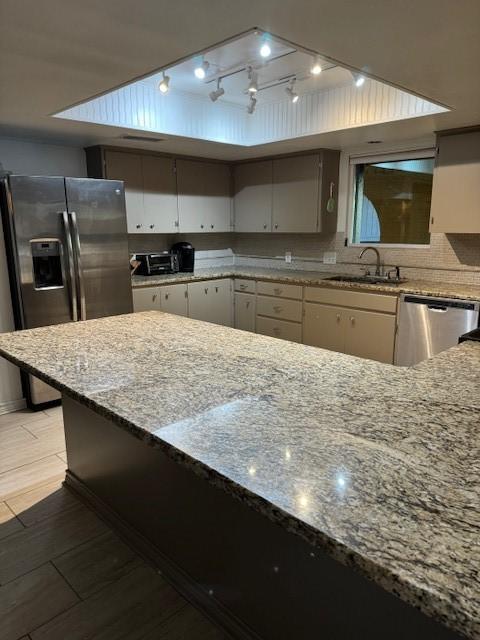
(248, 574)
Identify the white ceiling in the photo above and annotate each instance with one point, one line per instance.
(56, 53)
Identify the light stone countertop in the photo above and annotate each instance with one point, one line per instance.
(376, 465)
(313, 278)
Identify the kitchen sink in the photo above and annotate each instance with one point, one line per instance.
(367, 279)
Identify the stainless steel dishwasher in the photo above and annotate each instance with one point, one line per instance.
(428, 325)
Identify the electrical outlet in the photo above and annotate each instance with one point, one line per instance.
(330, 257)
(288, 256)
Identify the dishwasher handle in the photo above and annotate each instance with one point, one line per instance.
(437, 308)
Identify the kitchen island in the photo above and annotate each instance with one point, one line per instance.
(288, 490)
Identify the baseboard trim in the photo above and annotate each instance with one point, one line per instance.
(213, 610)
(12, 405)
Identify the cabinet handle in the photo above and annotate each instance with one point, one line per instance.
(277, 292)
(277, 309)
(352, 320)
(338, 317)
(152, 226)
(276, 226)
(264, 226)
(201, 226)
(431, 220)
(276, 330)
(138, 226)
(212, 226)
(154, 297)
(186, 294)
(166, 296)
(206, 290)
(216, 289)
(176, 223)
(247, 304)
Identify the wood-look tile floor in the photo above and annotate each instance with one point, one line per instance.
(64, 574)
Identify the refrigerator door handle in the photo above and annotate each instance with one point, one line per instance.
(81, 281)
(71, 267)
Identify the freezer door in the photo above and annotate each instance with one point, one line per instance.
(39, 251)
(96, 211)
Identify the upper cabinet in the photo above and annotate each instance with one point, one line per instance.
(160, 194)
(128, 167)
(297, 194)
(456, 184)
(252, 202)
(204, 196)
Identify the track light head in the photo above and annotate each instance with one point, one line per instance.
(253, 77)
(164, 84)
(290, 91)
(252, 104)
(358, 78)
(316, 67)
(201, 70)
(219, 91)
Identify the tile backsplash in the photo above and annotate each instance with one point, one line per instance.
(449, 258)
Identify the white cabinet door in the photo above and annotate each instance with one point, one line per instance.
(370, 335)
(245, 311)
(128, 167)
(456, 185)
(146, 299)
(204, 203)
(252, 202)
(211, 301)
(160, 194)
(295, 194)
(324, 326)
(174, 299)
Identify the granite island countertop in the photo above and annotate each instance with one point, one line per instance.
(313, 278)
(376, 465)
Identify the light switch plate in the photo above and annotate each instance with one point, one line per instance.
(330, 257)
(288, 256)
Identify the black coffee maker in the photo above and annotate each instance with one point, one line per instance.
(186, 256)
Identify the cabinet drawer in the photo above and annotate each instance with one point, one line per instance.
(279, 329)
(280, 290)
(279, 308)
(355, 299)
(245, 286)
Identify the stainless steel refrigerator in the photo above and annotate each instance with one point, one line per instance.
(67, 254)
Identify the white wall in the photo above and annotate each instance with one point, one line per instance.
(28, 158)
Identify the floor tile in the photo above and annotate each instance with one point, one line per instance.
(15, 455)
(130, 608)
(42, 502)
(24, 551)
(188, 623)
(23, 416)
(8, 522)
(32, 600)
(30, 476)
(46, 426)
(14, 434)
(96, 564)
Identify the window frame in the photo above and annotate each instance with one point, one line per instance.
(353, 160)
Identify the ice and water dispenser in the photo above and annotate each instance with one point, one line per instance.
(47, 263)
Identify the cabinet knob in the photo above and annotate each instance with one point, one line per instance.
(201, 226)
(216, 289)
(152, 226)
(264, 226)
(154, 297)
(247, 304)
(138, 226)
(277, 292)
(212, 226)
(276, 226)
(206, 290)
(352, 320)
(166, 296)
(277, 309)
(338, 317)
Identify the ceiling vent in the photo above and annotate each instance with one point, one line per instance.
(141, 138)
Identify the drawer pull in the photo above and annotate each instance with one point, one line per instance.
(138, 226)
(277, 292)
(264, 226)
(152, 226)
(243, 286)
(338, 317)
(166, 296)
(352, 320)
(277, 309)
(206, 290)
(247, 304)
(154, 297)
(216, 289)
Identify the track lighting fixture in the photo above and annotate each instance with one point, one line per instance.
(164, 83)
(316, 67)
(201, 70)
(219, 91)
(265, 49)
(252, 104)
(290, 91)
(253, 77)
(358, 78)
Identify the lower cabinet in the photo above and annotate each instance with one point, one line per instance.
(366, 334)
(244, 312)
(279, 329)
(211, 300)
(147, 299)
(174, 299)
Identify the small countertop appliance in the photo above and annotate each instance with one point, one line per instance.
(186, 256)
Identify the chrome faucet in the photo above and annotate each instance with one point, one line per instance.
(378, 268)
